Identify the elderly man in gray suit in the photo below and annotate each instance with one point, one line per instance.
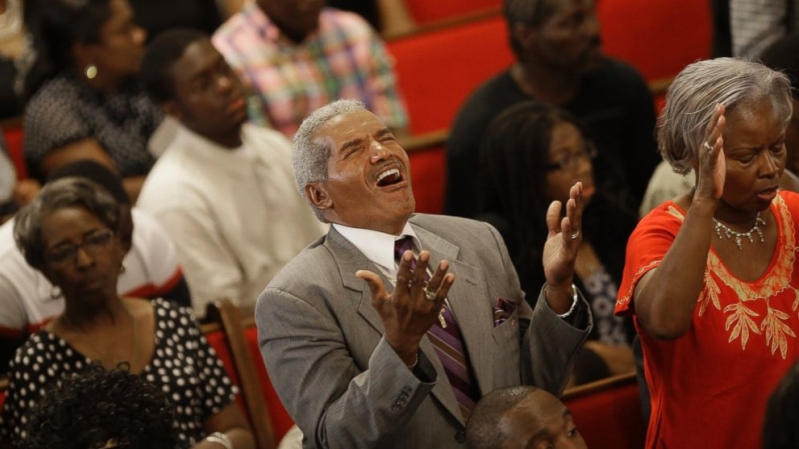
(385, 332)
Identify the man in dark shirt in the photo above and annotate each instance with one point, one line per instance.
(559, 62)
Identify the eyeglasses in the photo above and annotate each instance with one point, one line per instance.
(571, 161)
(92, 244)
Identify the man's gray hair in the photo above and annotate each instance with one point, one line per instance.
(309, 154)
(528, 12)
(693, 95)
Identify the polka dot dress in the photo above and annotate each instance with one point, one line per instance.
(65, 110)
(184, 366)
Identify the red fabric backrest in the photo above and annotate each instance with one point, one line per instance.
(2, 398)
(437, 71)
(281, 420)
(13, 138)
(429, 11)
(610, 419)
(217, 341)
(658, 37)
(428, 178)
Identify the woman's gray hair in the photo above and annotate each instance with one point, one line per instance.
(309, 154)
(693, 95)
(60, 194)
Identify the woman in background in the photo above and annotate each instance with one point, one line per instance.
(70, 233)
(92, 107)
(531, 155)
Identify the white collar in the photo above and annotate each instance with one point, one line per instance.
(377, 246)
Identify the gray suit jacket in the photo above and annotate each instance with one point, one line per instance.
(322, 342)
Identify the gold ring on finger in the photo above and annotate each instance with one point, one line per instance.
(431, 296)
(707, 146)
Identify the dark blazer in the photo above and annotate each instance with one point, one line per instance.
(322, 342)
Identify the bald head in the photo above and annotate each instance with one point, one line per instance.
(522, 417)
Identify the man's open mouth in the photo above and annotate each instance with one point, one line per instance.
(389, 177)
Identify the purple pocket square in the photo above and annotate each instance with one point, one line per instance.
(503, 310)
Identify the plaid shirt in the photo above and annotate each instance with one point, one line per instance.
(756, 24)
(344, 58)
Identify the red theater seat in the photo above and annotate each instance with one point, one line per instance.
(280, 418)
(608, 413)
(12, 134)
(426, 11)
(438, 69)
(658, 37)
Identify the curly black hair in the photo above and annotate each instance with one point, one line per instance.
(99, 408)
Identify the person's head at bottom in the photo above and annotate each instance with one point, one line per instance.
(522, 417)
(103, 409)
(782, 413)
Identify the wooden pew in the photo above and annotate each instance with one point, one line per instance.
(271, 421)
(226, 334)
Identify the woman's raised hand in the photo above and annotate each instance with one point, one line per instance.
(712, 165)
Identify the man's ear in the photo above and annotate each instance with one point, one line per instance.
(171, 108)
(523, 34)
(317, 195)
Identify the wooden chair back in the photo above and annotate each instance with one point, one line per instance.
(228, 320)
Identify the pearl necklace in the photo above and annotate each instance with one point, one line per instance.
(729, 233)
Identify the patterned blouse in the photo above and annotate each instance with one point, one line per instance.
(709, 387)
(66, 110)
(184, 365)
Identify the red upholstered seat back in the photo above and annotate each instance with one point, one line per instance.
(437, 70)
(13, 138)
(281, 420)
(428, 179)
(610, 418)
(658, 37)
(216, 339)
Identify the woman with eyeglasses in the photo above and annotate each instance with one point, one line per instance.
(531, 155)
(69, 233)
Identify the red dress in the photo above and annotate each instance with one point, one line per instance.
(709, 388)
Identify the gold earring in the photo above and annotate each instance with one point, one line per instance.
(91, 71)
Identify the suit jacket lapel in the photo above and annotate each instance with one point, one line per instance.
(349, 260)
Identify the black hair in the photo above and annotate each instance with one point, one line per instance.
(782, 413)
(527, 12)
(95, 407)
(65, 23)
(514, 159)
(783, 55)
(155, 73)
(482, 429)
(97, 173)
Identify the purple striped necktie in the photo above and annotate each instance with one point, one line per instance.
(448, 343)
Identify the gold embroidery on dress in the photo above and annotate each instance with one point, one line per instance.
(742, 321)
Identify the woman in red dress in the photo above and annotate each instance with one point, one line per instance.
(711, 276)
